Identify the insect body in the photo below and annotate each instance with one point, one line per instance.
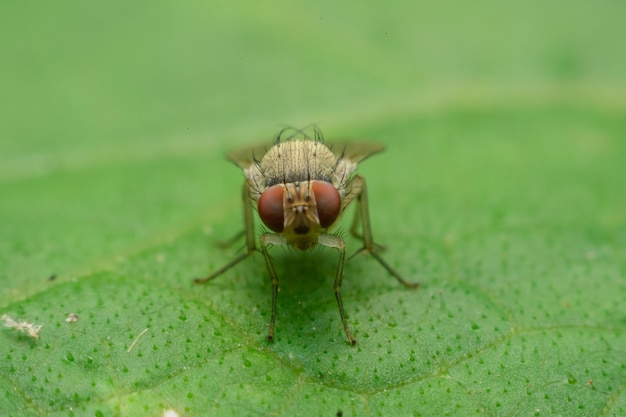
(301, 188)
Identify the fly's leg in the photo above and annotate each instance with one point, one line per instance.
(354, 231)
(357, 189)
(333, 241)
(225, 244)
(271, 239)
(248, 232)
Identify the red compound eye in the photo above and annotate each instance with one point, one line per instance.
(271, 209)
(328, 202)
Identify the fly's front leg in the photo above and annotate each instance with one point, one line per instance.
(271, 239)
(338, 243)
(248, 232)
(358, 190)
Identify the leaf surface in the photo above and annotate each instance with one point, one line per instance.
(501, 190)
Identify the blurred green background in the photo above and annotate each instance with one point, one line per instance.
(502, 191)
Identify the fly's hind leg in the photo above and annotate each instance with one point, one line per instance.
(357, 190)
(248, 232)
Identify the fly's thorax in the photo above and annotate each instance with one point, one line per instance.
(298, 161)
(300, 211)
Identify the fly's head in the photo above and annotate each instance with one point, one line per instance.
(300, 211)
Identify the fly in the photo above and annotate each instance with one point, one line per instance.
(301, 187)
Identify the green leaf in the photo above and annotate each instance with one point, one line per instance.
(501, 191)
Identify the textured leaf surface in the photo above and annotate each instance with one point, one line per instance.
(501, 190)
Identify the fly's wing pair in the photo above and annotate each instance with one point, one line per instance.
(248, 155)
(354, 151)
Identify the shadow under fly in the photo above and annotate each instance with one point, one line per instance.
(301, 187)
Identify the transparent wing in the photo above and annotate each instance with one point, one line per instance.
(246, 156)
(354, 151)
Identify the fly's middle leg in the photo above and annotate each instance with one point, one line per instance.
(248, 232)
(358, 190)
